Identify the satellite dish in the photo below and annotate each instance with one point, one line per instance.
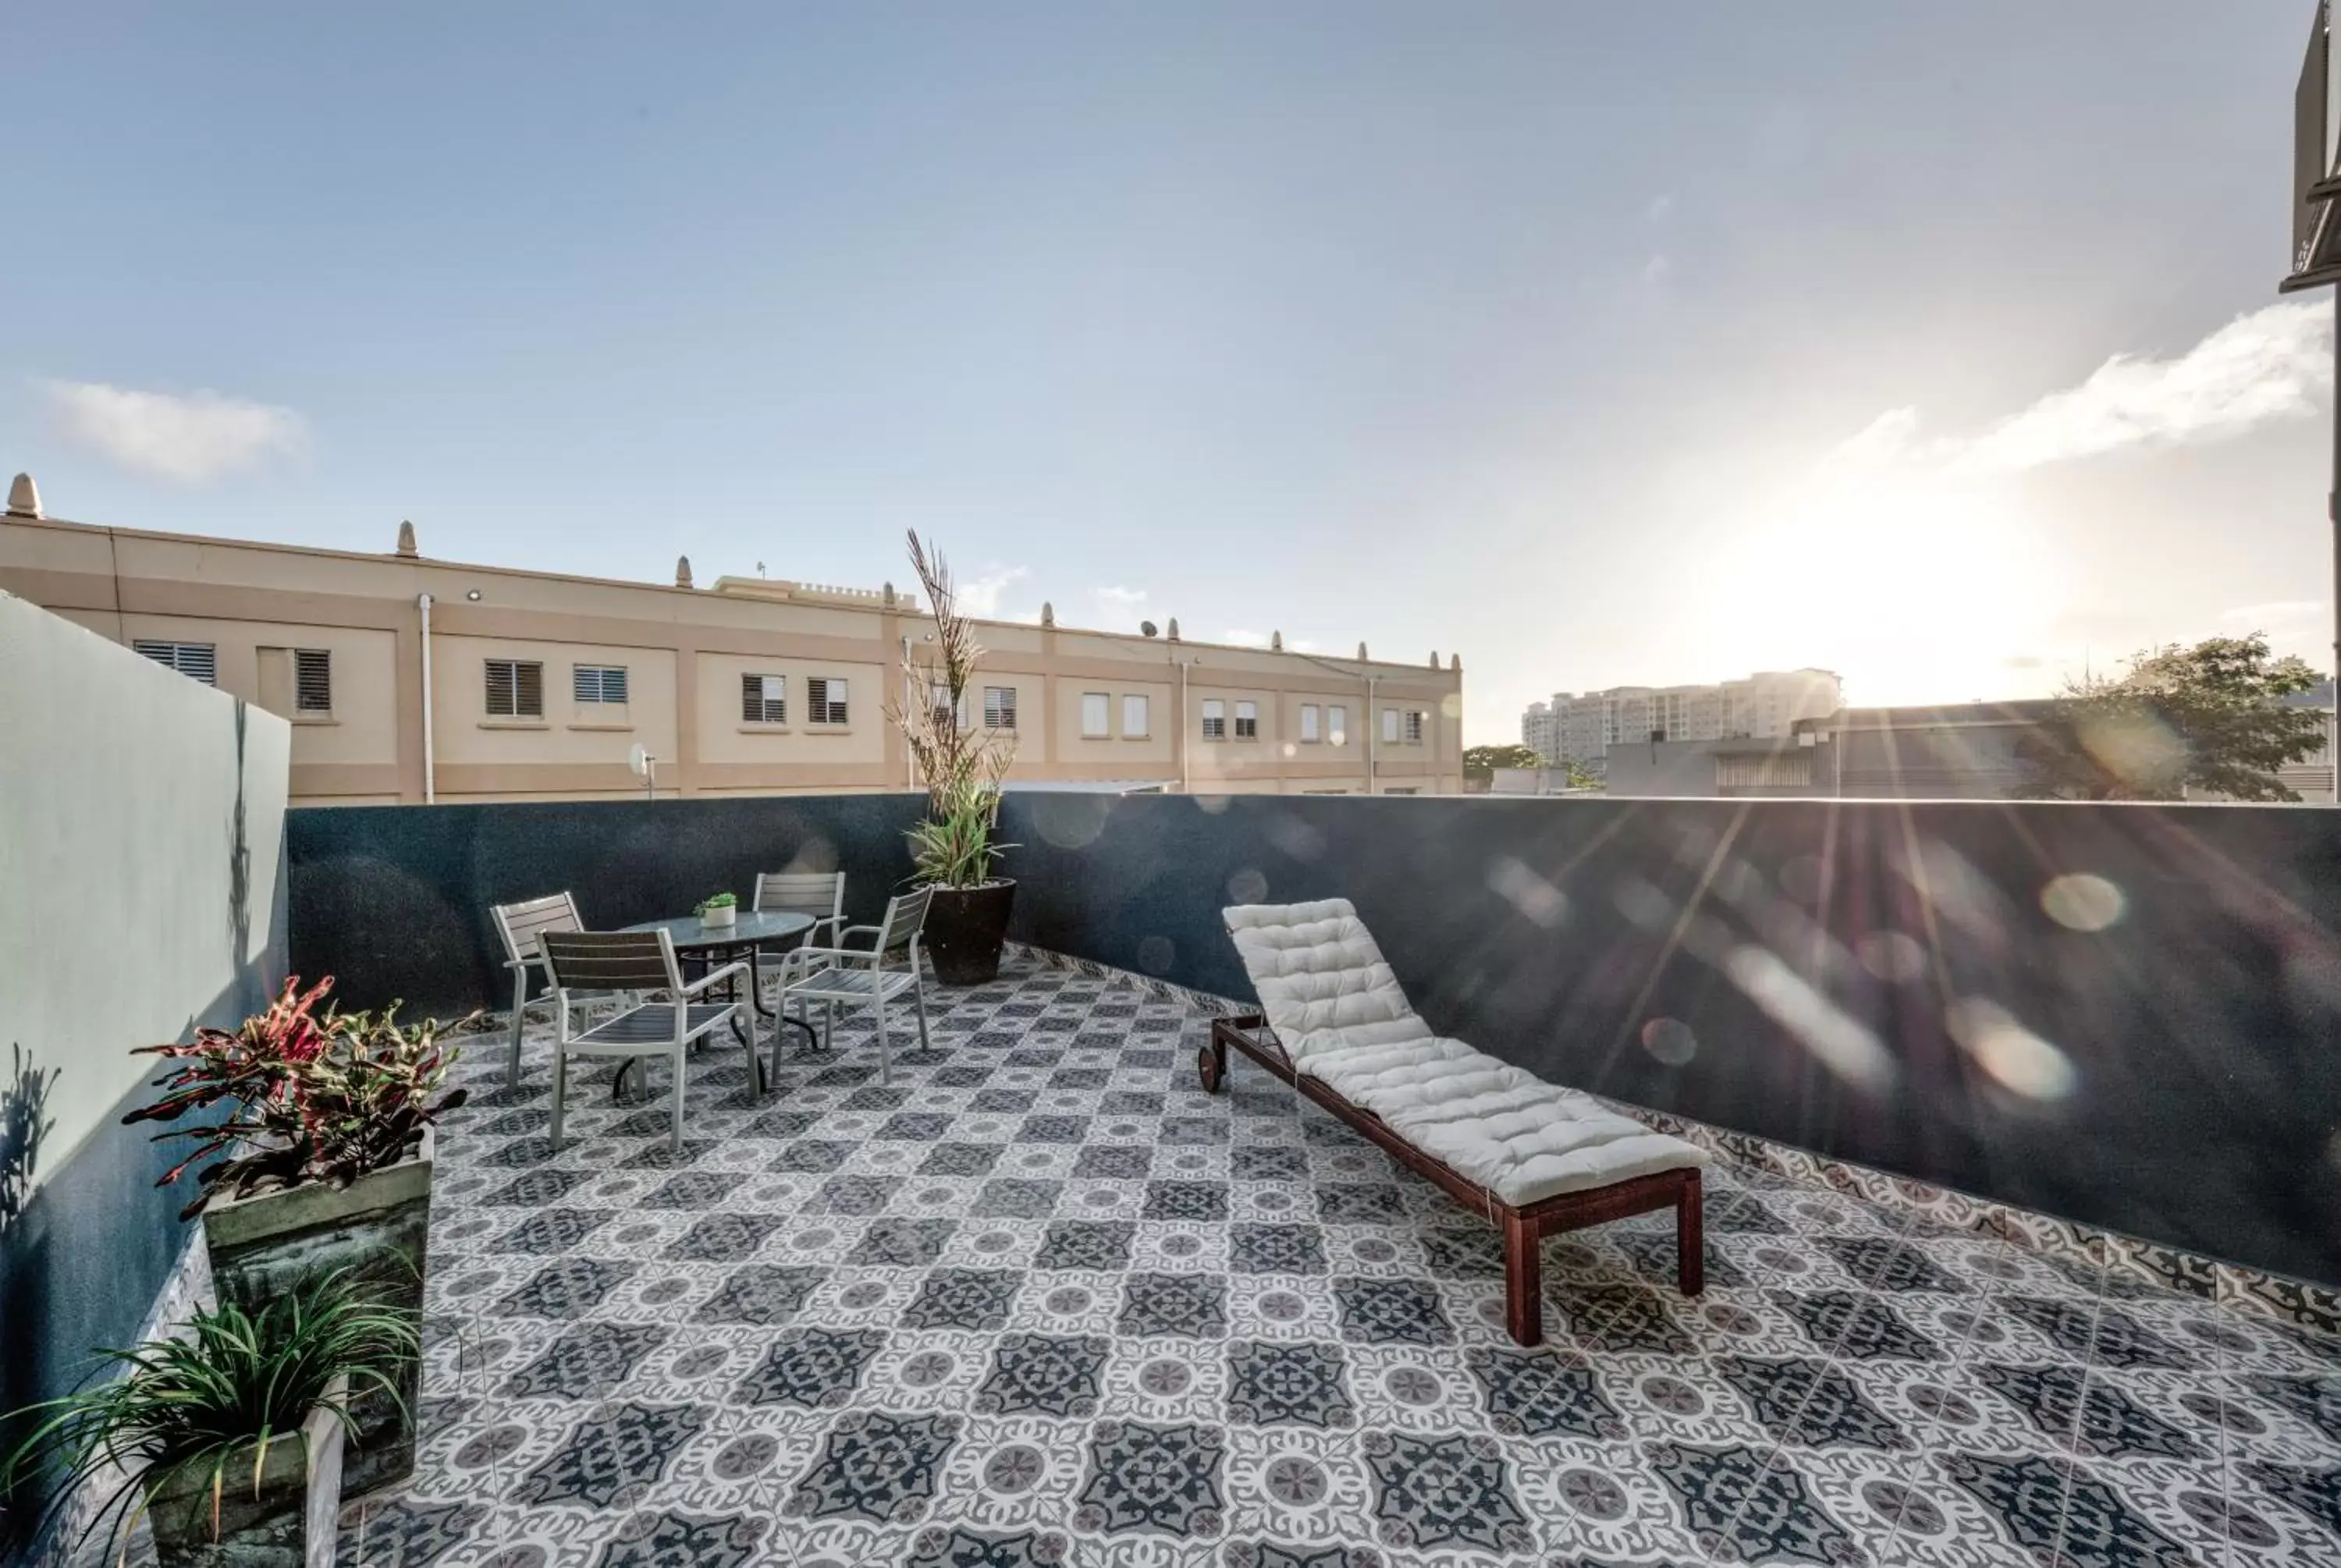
(1146, 629)
(639, 760)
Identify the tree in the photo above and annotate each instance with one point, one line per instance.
(2210, 718)
(1481, 762)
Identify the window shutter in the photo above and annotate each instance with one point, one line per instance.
(763, 698)
(500, 688)
(313, 681)
(529, 686)
(196, 661)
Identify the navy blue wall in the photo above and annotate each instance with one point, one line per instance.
(1597, 942)
(1714, 959)
(393, 901)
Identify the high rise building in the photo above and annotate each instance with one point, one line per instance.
(1582, 729)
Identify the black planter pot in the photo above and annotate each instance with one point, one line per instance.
(965, 930)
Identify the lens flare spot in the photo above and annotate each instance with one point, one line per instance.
(1155, 955)
(1837, 1041)
(1537, 899)
(1214, 805)
(1892, 957)
(1070, 821)
(1451, 706)
(1670, 1040)
(1247, 886)
(2016, 1057)
(2083, 902)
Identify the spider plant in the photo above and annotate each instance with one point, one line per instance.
(217, 1400)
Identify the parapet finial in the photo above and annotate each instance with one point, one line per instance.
(406, 539)
(23, 496)
(1276, 641)
(1047, 613)
(683, 571)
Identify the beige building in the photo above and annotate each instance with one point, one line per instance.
(538, 685)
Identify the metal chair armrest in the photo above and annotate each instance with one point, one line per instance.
(731, 970)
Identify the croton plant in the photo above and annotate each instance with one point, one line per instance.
(301, 1096)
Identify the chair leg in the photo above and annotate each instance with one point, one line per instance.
(674, 1140)
(877, 1006)
(519, 1021)
(1691, 1237)
(919, 996)
(560, 1084)
(1523, 1280)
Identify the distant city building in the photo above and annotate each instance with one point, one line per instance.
(1767, 704)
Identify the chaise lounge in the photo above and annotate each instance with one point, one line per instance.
(1534, 1158)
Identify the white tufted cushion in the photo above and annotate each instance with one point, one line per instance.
(1342, 1017)
(1321, 981)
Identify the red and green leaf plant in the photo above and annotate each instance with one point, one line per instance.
(300, 1096)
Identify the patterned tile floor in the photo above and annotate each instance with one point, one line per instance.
(1043, 1301)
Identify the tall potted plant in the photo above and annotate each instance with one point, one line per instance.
(955, 850)
(319, 1162)
(229, 1439)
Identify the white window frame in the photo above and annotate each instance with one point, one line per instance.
(196, 661)
(1247, 721)
(999, 708)
(827, 703)
(1097, 716)
(1337, 724)
(1417, 723)
(1144, 713)
(1215, 719)
(512, 669)
(1310, 731)
(598, 685)
(763, 698)
(1389, 726)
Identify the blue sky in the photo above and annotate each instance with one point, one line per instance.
(1600, 343)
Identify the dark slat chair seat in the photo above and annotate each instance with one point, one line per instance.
(651, 1025)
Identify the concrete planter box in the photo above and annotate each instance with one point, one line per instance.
(377, 1228)
(287, 1520)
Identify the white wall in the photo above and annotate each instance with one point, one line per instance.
(122, 785)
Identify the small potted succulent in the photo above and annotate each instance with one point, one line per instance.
(720, 910)
(319, 1162)
(228, 1439)
(954, 852)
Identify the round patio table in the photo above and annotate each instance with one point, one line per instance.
(699, 943)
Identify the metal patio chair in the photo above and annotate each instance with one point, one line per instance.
(519, 925)
(581, 962)
(819, 894)
(848, 976)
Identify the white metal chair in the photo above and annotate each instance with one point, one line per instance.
(520, 924)
(581, 962)
(850, 975)
(821, 895)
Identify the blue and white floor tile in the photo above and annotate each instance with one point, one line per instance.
(1041, 1300)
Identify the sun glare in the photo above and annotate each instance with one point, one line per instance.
(1913, 589)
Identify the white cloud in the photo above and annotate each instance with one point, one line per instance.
(1657, 270)
(2274, 363)
(191, 439)
(980, 595)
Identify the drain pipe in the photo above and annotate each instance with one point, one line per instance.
(430, 772)
(1371, 721)
(1186, 786)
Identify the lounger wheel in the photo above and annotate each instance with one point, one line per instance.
(1211, 1067)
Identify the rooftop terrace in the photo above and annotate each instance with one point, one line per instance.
(1042, 1300)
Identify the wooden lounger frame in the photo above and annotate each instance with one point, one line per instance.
(1524, 1227)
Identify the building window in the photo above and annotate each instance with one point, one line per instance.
(1414, 717)
(196, 661)
(1247, 721)
(1389, 726)
(313, 681)
(999, 708)
(1094, 710)
(1309, 714)
(1215, 720)
(515, 689)
(1134, 719)
(1337, 725)
(825, 700)
(1409, 789)
(948, 715)
(602, 684)
(764, 698)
